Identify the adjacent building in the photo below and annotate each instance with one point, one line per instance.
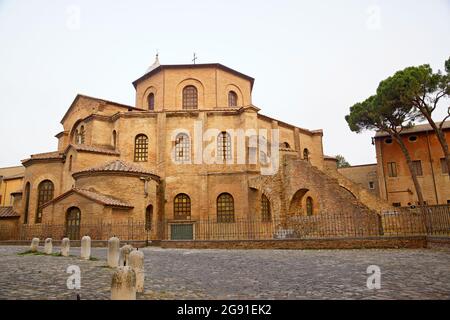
(394, 179)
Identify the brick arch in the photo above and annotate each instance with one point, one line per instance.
(268, 187)
(237, 90)
(200, 92)
(147, 92)
(349, 191)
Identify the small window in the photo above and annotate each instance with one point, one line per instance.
(148, 217)
(417, 167)
(444, 167)
(265, 209)
(182, 147)
(232, 99)
(151, 101)
(225, 208)
(81, 135)
(396, 204)
(224, 146)
(190, 99)
(392, 169)
(371, 185)
(388, 140)
(114, 137)
(306, 154)
(285, 145)
(309, 206)
(448, 201)
(70, 163)
(141, 148)
(412, 138)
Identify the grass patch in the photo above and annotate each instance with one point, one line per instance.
(93, 259)
(40, 253)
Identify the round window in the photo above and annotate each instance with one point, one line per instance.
(412, 138)
(388, 140)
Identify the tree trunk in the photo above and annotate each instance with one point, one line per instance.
(405, 151)
(441, 138)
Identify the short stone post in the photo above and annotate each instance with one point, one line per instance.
(65, 247)
(136, 261)
(48, 246)
(113, 252)
(124, 253)
(86, 248)
(123, 284)
(34, 245)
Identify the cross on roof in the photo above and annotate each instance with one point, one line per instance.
(195, 58)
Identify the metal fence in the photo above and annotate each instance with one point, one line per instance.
(427, 220)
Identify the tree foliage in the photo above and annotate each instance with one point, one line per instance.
(341, 162)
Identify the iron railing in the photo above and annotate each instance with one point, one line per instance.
(426, 220)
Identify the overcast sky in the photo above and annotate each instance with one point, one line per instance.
(311, 60)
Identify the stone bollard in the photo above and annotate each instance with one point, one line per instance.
(124, 254)
(113, 252)
(34, 245)
(86, 248)
(65, 247)
(136, 261)
(48, 246)
(123, 284)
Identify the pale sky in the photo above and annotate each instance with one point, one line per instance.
(311, 60)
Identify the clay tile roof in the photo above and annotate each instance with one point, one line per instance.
(82, 147)
(102, 198)
(14, 176)
(47, 155)
(8, 212)
(417, 128)
(118, 166)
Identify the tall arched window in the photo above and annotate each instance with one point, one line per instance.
(81, 135)
(265, 209)
(225, 208)
(45, 194)
(148, 217)
(190, 98)
(73, 221)
(141, 148)
(181, 207)
(70, 163)
(151, 101)
(232, 99)
(224, 146)
(27, 202)
(182, 147)
(306, 154)
(309, 206)
(114, 138)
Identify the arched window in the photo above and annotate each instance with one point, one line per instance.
(70, 163)
(232, 99)
(141, 148)
(45, 194)
(309, 206)
(182, 147)
(181, 207)
(27, 202)
(225, 208)
(73, 220)
(285, 145)
(114, 137)
(265, 209)
(148, 217)
(224, 146)
(81, 135)
(190, 99)
(151, 101)
(306, 154)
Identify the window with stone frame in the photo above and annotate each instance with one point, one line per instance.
(417, 167)
(444, 167)
(225, 208)
(224, 146)
(182, 148)
(182, 207)
(309, 206)
(306, 154)
(141, 148)
(190, 97)
(266, 215)
(232, 99)
(81, 135)
(45, 194)
(392, 169)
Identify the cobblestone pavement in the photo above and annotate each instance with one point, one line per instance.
(235, 274)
